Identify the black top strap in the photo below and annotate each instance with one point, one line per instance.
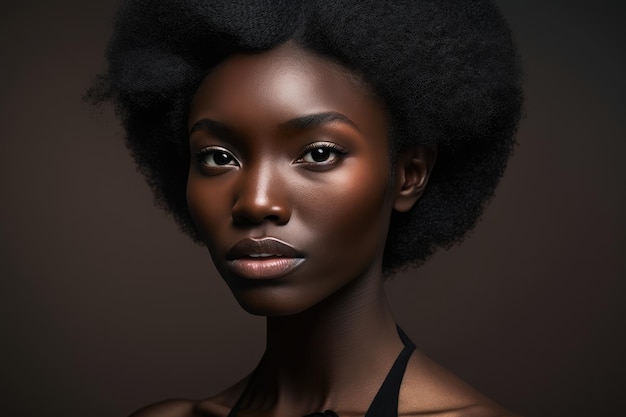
(385, 403)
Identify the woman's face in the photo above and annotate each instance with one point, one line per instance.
(290, 179)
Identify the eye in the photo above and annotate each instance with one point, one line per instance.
(322, 153)
(214, 157)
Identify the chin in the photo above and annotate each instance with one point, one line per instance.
(273, 301)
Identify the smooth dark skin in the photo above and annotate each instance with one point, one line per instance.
(331, 338)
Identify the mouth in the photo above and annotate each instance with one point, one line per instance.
(265, 258)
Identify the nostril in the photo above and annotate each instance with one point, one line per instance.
(260, 197)
(272, 217)
(254, 214)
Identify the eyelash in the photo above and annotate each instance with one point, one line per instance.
(332, 147)
(203, 153)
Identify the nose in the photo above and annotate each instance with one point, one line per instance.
(261, 196)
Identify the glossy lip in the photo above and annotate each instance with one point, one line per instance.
(265, 258)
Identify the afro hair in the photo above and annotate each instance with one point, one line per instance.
(447, 71)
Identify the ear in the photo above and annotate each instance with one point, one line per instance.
(413, 168)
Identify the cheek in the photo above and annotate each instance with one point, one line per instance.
(348, 214)
(206, 207)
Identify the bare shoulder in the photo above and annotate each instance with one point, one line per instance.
(185, 408)
(169, 408)
(477, 410)
(428, 389)
(216, 406)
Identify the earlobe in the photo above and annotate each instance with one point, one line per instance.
(413, 168)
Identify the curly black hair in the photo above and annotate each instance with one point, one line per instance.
(447, 70)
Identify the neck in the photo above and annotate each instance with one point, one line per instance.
(334, 355)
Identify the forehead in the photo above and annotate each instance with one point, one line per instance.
(287, 82)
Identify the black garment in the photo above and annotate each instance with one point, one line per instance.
(385, 403)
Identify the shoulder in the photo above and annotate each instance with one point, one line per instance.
(480, 410)
(169, 408)
(185, 408)
(430, 390)
(216, 406)
(476, 410)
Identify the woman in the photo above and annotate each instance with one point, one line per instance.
(316, 148)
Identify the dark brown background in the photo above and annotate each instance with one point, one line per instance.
(106, 307)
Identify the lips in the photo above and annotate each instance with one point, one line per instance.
(265, 258)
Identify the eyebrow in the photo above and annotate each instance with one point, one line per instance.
(315, 120)
(214, 128)
(298, 123)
